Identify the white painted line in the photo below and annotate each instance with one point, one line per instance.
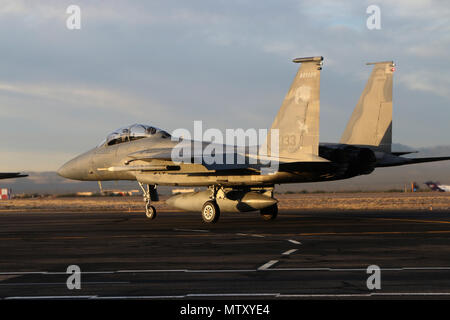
(231, 294)
(294, 242)
(411, 294)
(361, 269)
(49, 297)
(374, 294)
(45, 273)
(425, 268)
(268, 265)
(139, 297)
(319, 295)
(16, 284)
(221, 271)
(84, 272)
(250, 235)
(289, 252)
(150, 271)
(23, 272)
(206, 295)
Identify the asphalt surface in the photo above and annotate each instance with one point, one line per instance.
(313, 254)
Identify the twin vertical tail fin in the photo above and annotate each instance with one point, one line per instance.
(371, 121)
(297, 121)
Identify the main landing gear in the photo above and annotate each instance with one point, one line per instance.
(210, 209)
(269, 213)
(150, 194)
(210, 212)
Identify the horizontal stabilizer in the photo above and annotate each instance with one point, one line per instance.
(399, 161)
(432, 159)
(402, 153)
(10, 175)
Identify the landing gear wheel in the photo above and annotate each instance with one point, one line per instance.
(150, 212)
(210, 212)
(269, 213)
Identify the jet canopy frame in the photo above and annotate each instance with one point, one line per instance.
(132, 132)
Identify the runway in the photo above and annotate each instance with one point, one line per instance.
(303, 254)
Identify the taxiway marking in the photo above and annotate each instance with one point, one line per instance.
(207, 234)
(371, 233)
(416, 220)
(15, 284)
(286, 253)
(246, 294)
(271, 262)
(250, 235)
(267, 265)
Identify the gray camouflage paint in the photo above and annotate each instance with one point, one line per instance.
(144, 160)
(371, 121)
(299, 116)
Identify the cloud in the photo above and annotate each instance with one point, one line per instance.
(225, 62)
(83, 97)
(426, 81)
(32, 160)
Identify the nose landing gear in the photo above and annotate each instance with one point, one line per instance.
(150, 211)
(150, 194)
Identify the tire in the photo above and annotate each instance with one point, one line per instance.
(210, 212)
(150, 212)
(269, 213)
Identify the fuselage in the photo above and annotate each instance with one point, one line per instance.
(345, 162)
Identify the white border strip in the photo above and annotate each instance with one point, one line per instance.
(19, 273)
(209, 295)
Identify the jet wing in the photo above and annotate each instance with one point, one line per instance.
(165, 155)
(223, 161)
(10, 175)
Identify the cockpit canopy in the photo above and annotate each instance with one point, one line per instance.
(131, 133)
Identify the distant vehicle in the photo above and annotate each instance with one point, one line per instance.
(436, 186)
(184, 190)
(121, 193)
(85, 194)
(10, 175)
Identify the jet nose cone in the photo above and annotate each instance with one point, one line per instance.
(77, 168)
(66, 170)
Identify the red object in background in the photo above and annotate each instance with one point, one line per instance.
(5, 194)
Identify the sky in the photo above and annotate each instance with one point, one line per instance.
(227, 63)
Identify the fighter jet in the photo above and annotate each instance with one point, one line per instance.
(437, 186)
(242, 180)
(10, 175)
